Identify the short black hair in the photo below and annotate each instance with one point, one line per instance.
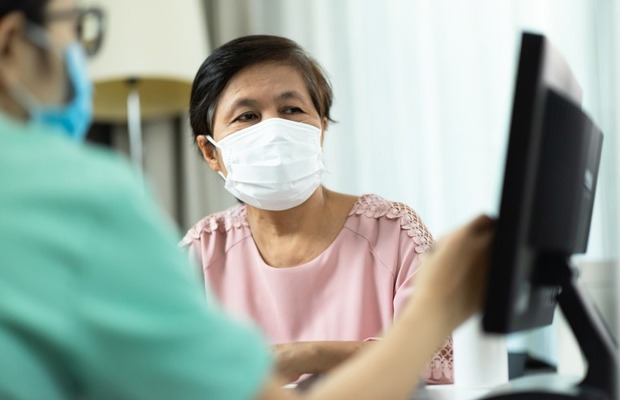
(34, 10)
(230, 58)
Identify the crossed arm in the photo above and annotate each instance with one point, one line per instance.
(298, 358)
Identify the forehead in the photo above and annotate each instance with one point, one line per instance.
(263, 81)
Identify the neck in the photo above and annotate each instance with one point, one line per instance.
(286, 223)
(10, 108)
(296, 236)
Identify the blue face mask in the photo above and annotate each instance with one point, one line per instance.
(73, 118)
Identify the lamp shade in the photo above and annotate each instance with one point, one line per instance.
(156, 44)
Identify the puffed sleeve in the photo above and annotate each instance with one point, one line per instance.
(415, 240)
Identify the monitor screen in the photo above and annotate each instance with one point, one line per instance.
(548, 190)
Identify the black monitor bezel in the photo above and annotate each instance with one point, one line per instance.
(540, 68)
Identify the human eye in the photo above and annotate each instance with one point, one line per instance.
(246, 117)
(292, 110)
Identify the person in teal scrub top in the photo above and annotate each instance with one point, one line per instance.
(97, 302)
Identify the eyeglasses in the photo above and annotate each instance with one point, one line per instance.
(90, 26)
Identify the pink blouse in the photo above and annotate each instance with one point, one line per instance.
(352, 291)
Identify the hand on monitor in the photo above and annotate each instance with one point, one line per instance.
(456, 270)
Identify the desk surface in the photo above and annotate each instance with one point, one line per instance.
(441, 392)
(449, 392)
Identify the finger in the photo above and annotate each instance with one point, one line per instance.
(481, 223)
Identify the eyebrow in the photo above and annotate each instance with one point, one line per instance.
(291, 94)
(239, 103)
(252, 103)
(244, 102)
(249, 102)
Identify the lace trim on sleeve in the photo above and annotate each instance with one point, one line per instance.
(374, 206)
(223, 221)
(440, 370)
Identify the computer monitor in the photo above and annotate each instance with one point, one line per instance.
(550, 176)
(548, 191)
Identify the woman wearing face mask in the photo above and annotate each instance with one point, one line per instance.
(322, 273)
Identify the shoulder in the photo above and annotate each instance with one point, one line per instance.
(112, 193)
(234, 217)
(71, 177)
(375, 211)
(108, 184)
(91, 206)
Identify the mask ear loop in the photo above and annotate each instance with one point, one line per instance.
(214, 143)
(210, 140)
(38, 37)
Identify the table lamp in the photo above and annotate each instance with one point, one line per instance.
(151, 51)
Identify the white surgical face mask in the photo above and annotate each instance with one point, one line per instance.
(274, 165)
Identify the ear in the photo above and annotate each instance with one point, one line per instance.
(209, 153)
(11, 26)
(323, 129)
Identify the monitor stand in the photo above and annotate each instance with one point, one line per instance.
(597, 345)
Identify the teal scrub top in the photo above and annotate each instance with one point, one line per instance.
(96, 300)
